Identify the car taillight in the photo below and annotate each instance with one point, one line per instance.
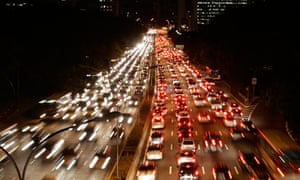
(221, 143)
(213, 142)
(230, 175)
(196, 173)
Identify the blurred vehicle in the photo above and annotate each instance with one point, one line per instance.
(254, 166)
(69, 157)
(212, 141)
(200, 101)
(157, 111)
(126, 117)
(249, 126)
(51, 149)
(232, 106)
(220, 113)
(9, 145)
(236, 133)
(204, 117)
(184, 132)
(156, 137)
(101, 158)
(133, 101)
(118, 131)
(237, 114)
(230, 121)
(33, 127)
(188, 144)
(182, 114)
(188, 170)
(211, 96)
(158, 122)
(147, 171)
(221, 171)
(184, 121)
(186, 157)
(154, 152)
(216, 104)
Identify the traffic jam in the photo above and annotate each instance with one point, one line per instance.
(187, 97)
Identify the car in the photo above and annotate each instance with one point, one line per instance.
(101, 158)
(51, 149)
(211, 96)
(200, 101)
(157, 111)
(233, 105)
(154, 152)
(147, 171)
(237, 113)
(249, 126)
(188, 144)
(118, 131)
(261, 173)
(186, 156)
(183, 114)
(249, 160)
(126, 118)
(204, 117)
(133, 101)
(221, 171)
(237, 133)
(230, 121)
(212, 141)
(184, 132)
(156, 137)
(220, 113)
(188, 170)
(216, 104)
(69, 156)
(158, 122)
(254, 166)
(184, 121)
(195, 94)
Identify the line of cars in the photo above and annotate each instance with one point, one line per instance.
(155, 145)
(204, 95)
(220, 109)
(186, 159)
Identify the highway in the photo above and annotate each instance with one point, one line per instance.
(113, 99)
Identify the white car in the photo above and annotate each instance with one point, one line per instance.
(230, 121)
(200, 101)
(147, 171)
(156, 137)
(188, 144)
(204, 117)
(158, 122)
(216, 104)
(220, 113)
(154, 152)
(186, 157)
(237, 133)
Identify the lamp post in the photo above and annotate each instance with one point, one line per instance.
(117, 140)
